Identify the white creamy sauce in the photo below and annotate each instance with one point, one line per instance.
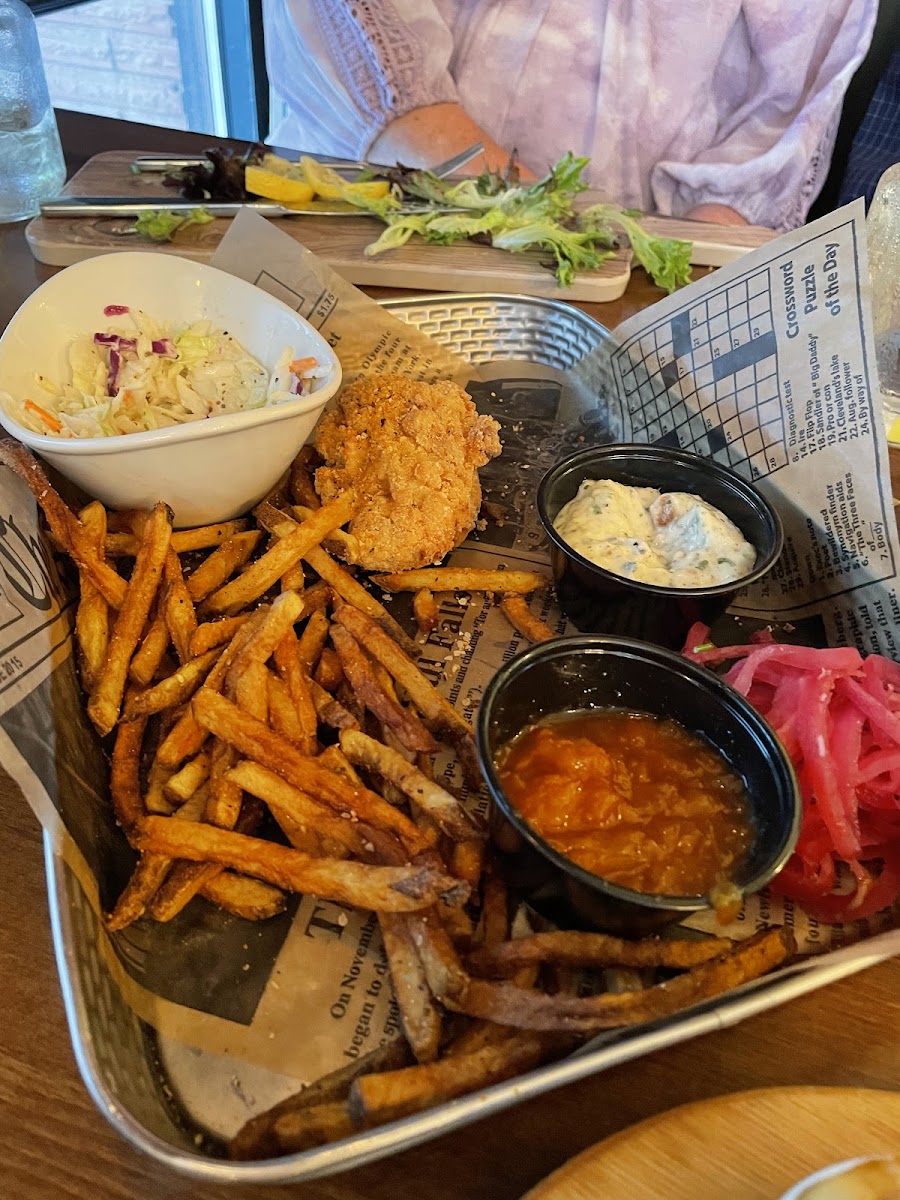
(668, 538)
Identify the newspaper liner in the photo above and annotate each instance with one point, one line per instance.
(264, 1006)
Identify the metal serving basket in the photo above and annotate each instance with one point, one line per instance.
(174, 1104)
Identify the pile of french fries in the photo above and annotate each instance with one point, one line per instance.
(246, 679)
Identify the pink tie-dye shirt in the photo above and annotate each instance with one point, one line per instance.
(676, 102)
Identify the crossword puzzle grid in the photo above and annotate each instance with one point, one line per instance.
(707, 379)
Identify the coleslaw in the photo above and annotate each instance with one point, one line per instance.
(140, 374)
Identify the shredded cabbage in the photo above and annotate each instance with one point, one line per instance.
(139, 374)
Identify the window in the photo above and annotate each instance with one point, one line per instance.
(184, 64)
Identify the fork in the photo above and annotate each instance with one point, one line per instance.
(157, 164)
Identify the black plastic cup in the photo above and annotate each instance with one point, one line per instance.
(599, 601)
(574, 674)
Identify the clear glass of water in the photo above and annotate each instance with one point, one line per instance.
(31, 159)
(883, 237)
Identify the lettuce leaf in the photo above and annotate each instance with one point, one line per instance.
(163, 225)
(541, 215)
(666, 260)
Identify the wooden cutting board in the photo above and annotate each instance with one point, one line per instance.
(748, 1146)
(340, 241)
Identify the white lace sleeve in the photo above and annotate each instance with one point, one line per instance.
(773, 147)
(346, 68)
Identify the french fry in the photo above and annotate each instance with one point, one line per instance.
(64, 525)
(345, 586)
(290, 669)
(329, 673)
(215, 633)
(175, 689)
(178, 607)
(312, 640)
(330, 711)
(106, 699)
(430, 703)
(182, 785)
(224, 804)
(494, 911)
(297, 807)
(571, 948)
(283, 555)
(313, 1126)
(462, 579)
(476, 1036)
(390, 1095)
(522, 619)
(283, 715)
(381, 889)
(278, 621)
(186, 736)
(92, 614)
(254, 740)
(425, 610)
(218, 568)
(124, 776)
(294, 579)
(446, 975)
(280, 523)
(445, 810)
(148, 876)
(145, 881)
(358, 669)
(334, 758)
(302, 486)
(149, 655)
(339, 542)
(420, 1015)
(126, 545)
(250, 690)
(528, 1009)
(244, 897)
(305, 838)
(155, 799)
(256, 1138)
(187, 878)
(467, 859)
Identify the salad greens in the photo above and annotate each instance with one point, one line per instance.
(496, 209)
(162, 226)
(499, 210)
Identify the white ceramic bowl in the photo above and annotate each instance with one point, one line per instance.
(207, 470)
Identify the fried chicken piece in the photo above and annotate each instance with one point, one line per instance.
(410, 451)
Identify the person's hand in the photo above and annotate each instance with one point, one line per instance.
(716, 214)
(433, 133)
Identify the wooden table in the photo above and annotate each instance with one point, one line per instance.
(54, 1143)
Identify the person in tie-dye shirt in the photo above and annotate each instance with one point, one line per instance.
(724, 110)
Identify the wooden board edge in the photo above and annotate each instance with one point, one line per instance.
(547, 1188)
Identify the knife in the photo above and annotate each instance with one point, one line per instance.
(158, 164)
(116, 206)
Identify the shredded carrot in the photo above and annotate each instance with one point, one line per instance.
(303, 364)
(49, 420)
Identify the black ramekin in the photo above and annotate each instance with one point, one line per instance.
(599, 601)
(577, 673)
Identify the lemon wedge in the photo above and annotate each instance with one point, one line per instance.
(894, 430)
(326, 183)
(281, 166)
(275, 186)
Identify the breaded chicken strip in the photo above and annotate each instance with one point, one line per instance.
(410, 451)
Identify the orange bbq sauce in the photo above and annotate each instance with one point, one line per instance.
(635, 799)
